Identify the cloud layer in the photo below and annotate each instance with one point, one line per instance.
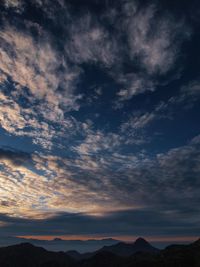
(98, 115)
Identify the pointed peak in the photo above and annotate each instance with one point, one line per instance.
(140, 241)
(197, 242)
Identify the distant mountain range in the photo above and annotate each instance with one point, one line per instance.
(120, 249)
(138, 254)
(59, 244)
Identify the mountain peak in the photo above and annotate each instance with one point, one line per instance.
(140, 241)
(197, 242)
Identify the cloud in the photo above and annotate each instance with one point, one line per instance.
(16, 5)
(21, 121)
(153, 42)
(79, 167)
(16, 157)
(38, 67)
(36, 74)
(98, 141)
(119, 225)
(57, 188)
(94, 184)
(10, 114)
(152, 39)
(138, 121)
(189, 94)
(125, 35)
(134, 84)
(89, 42)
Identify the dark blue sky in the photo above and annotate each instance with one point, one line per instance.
(99, 118)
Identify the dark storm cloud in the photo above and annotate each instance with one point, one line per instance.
(144, 222)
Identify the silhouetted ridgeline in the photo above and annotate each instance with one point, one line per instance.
(120, 249)
(137, 254)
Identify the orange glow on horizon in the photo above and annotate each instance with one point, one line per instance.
(121, 238)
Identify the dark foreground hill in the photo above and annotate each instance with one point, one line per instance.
(26, 255)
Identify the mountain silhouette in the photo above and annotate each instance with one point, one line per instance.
(128, 249)
(59, 244)
(120, 249)
(137, 254)
(28, 255)
(172, 256)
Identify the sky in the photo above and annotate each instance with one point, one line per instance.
(100, 119)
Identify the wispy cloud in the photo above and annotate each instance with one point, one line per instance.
(153, 42)
(90, 160)
(90, 42)
(21, 121)
(189, 94)
(17, 5)
(138, 121)
(38, 67)
(134, 84)
(98, 141)
(152, 39)
(41, 76)
(48, 184)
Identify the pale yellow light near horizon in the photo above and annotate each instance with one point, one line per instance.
(21, 190)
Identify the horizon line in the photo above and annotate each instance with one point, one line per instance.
(118, 238)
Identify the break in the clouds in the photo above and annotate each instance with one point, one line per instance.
(99, 116)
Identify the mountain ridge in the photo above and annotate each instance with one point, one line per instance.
(28, 255)
(120, 249)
